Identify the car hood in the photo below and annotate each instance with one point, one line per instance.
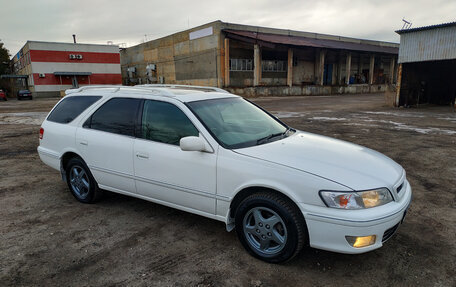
(351, 165)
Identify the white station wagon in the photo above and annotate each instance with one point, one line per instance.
(215, 154)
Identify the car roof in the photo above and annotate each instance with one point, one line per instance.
(182, 93)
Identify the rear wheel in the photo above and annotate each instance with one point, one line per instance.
(81, 182)
(270, 227)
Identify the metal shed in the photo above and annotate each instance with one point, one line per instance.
(427, 65)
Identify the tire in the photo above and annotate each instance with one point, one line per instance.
(81, 182)
(270, 227)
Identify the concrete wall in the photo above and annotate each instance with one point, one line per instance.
(308, 90)
(304, 68)
(179, 59)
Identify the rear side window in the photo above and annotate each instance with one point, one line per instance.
(116, 116)
(69, 108)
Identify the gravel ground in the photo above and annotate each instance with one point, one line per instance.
(48, 238)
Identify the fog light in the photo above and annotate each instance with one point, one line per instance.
(360, 241)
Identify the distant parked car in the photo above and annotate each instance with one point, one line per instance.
(24, 94)
(3, 95)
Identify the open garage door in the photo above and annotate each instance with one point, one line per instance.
(432, 82)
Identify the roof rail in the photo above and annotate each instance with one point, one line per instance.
(183, 86)
(80, 89)
(118, 87)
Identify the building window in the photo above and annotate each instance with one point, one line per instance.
(274, 66)
(241, 65)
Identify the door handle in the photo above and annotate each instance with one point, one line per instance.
(84, 142)
(142, 155)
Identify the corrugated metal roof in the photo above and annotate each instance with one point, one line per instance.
(428, 45)
(449, 24)
(308, 42)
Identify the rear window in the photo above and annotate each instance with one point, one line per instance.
(69, 108)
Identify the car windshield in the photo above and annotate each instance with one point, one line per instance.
(237, 123)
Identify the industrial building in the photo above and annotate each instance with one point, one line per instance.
(251, 60)
(427, 65)
(46, 68)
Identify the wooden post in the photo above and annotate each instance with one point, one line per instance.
(334, 75)
(290, 68)
(360, 64)
(317, 66)
(348, 68)
(371, 69)
(257, 65)
(393, 62)
(227, 62)
(398, 85)
(321, 67)
(339, 70)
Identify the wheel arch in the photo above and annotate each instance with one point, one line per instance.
(245, 192)
(66, 156)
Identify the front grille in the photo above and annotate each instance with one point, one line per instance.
(399, 188)
(389, 232)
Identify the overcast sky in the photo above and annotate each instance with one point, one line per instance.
(128, 21)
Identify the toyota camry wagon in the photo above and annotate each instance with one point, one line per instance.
(215, 154)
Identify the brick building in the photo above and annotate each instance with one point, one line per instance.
(48, 68)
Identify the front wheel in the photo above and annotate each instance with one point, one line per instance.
(81, 182)
(270, 227)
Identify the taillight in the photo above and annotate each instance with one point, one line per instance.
(41, 133)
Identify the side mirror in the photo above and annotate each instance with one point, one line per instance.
(192, 143)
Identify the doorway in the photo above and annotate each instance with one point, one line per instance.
(74, 82)
(327, 74)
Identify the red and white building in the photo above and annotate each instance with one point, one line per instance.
(53, 67)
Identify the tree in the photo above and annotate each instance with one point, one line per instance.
(5, 84)
(4, 59)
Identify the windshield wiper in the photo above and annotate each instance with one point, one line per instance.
(267, 138)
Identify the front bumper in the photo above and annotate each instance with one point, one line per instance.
(328, 226)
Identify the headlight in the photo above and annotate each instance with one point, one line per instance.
(356, 200)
